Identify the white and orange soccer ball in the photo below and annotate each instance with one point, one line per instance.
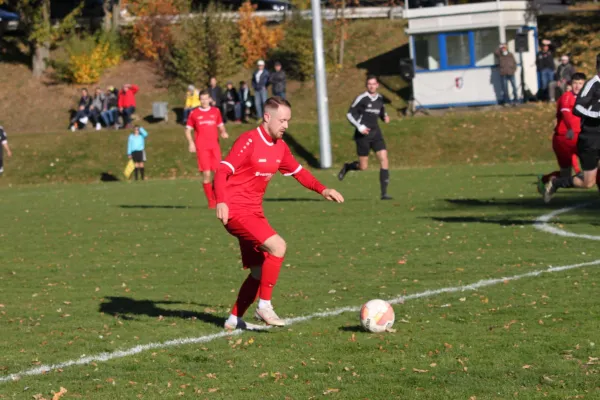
(377, 316)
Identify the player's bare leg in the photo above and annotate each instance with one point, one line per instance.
(208, 189)
(275, 248)
(384, 173)
(588, 180)
(246, 296)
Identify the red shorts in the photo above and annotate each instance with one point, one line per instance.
(252, 230)
(208, 159)
(565, 150)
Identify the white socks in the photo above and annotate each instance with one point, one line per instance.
(264, 303)
(232, 320)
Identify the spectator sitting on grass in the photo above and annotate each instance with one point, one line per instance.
(232, 104)
(126, 103)
(136, 149)
(96, 108)
(192, 100)
(110, 112)
(83, 109)
(564, 72)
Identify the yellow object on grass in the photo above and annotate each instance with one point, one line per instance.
(129, 168)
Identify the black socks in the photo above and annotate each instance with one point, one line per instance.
(353, 166)
(142, 172)
(384, 179)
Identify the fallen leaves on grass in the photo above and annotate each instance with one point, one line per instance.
(420, 371)
(331, 390)
(59, 394)
(526, 366)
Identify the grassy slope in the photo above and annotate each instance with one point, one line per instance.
(476, 138)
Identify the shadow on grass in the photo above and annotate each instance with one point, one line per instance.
(353, 328)
(127, 308)
(108, 177)
(565, 198)
(146, 206)
(502, 221)
(292, 199)
(301, 151)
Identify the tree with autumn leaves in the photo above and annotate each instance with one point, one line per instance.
(256, 37)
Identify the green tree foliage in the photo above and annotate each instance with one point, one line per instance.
(295, 51)
(39, 33)
(204, 45)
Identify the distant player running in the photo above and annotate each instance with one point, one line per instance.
(240, 184)
(587, 106)
(206, 121)
(566, 132)
(364, 114)
(3, 145)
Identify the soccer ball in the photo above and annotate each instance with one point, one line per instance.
(376, 316)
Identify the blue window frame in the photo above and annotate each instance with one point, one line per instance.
(450, 51)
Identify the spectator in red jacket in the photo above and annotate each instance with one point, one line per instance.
(126, 103)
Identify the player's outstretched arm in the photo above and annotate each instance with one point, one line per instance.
(333, 195)
(188, 136)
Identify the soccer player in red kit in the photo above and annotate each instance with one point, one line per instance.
(240, 184)
(564, 142)
(207, 123)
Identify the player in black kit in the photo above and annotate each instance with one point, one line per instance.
(587, 106)
(364, 114)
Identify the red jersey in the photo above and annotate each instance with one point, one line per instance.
(250, 165)
(565, 119)
(205, 123)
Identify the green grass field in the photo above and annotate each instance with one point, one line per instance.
(87, 269)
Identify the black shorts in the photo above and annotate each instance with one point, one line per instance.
(366, 143)
(138, 156)
(588, 150)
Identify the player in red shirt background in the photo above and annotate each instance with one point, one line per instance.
(207, 123)
(564, 142)
(240, 184)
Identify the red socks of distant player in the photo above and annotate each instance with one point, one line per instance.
(270, 272)
(210, 194)
(246, 296)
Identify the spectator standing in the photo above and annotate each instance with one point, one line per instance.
(4, 143)
(564, 72)
(215, 92)
(245, 102)
(545, 66)
(96, 108)
(277, 81)
(507, 66)
(126, 103)
(83, 109)
(232, 104)
(110, 112)
(260, 81)
(136, 149)
(192, 100)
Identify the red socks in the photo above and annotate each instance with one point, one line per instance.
(246, 296)
(270, 272)
(210, 195)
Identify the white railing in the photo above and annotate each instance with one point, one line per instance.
(277, 16)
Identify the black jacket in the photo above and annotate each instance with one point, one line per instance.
(216, 94)
(277, 80)
(587, 106)
(545, 60)
(231, 96)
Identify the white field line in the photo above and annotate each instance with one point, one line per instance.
(104, 357)
(541, 223)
